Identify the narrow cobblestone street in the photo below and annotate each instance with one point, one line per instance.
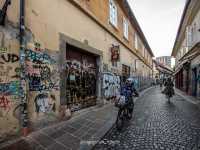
(157, 125)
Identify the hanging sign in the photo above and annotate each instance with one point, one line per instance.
(115, 52)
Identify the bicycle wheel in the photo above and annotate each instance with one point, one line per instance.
(120, 119)
(130, 111)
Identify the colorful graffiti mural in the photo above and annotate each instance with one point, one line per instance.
(81, 80)
(11, 88)
(111, 85)
(43, 78)
(39, 69)
(44, 103)
(39, 57)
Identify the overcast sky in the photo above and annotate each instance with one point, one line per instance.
(159, 20)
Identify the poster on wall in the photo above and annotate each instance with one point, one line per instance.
(115, 53)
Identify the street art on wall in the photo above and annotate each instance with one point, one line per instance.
(39, 57)
(111, 85)
(5, 103)
(39, 71)
(9, 80)
(44, 103)
(43, 78)
(11, 88)
(81, 83)
(8, 58)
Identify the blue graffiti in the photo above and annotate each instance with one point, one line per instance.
(11, 88)
(38, 57)
(37, 84)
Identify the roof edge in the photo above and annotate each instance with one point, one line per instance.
(180, 26)
(138, 28)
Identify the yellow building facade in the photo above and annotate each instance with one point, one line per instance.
(65, 39)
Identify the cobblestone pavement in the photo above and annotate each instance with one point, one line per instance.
(157, 125)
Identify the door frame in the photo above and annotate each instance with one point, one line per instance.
(64, 40)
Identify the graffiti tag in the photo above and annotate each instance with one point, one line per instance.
(11, 88)
(3, 50)
(39, 58)
(8, 58)
(4, 103)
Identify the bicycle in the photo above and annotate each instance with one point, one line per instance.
(125, 112)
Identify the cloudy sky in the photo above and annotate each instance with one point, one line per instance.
(159, 20)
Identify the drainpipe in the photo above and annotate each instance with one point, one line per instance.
(23, 90)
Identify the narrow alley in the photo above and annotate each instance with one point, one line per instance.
(158, 125)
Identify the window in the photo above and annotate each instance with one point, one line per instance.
(136, 41)
(125, 26)
(113, 13)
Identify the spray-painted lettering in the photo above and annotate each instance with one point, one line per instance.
(8, 58)
(39, 58)
(5, 103)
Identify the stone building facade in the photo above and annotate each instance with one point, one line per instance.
(72, 46)
(165, 60)
(187, 50)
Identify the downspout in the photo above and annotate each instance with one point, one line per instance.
(23, 89)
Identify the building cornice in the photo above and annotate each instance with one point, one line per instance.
(94, 18)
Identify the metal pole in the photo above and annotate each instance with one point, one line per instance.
(23, 89)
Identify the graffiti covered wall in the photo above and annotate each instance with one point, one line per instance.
(111, 85)
(9, 82)
(43, 80)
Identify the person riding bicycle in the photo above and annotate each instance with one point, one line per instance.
(127, 103)
(127, 90)
(169, 90)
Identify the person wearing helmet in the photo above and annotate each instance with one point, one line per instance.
(127, 90)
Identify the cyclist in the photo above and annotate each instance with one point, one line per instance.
(128, 89)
